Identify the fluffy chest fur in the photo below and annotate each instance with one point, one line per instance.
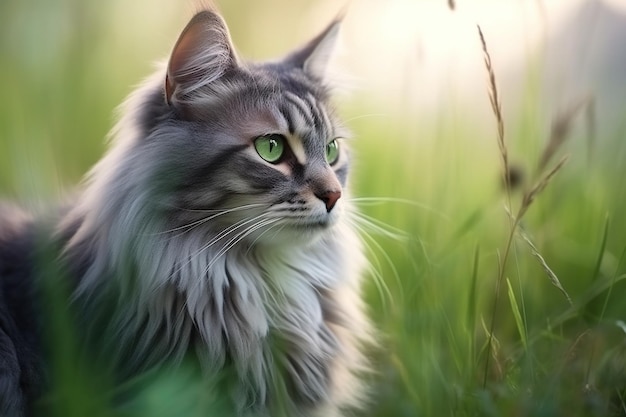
(286, 319)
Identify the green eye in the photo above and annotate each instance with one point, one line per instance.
(270, 147)
(332, 152)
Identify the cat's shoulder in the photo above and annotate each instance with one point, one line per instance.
(15, 226)
(13, 220)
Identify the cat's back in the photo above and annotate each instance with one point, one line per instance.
(18, 329)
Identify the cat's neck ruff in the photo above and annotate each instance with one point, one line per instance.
(243, 303)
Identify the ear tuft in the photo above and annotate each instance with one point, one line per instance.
(202, 54)
(313, 58)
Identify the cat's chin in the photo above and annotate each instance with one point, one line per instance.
(298, 233)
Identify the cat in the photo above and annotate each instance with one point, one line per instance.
(217, 225)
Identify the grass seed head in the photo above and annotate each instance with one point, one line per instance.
(531, 194)
(561, 128)
(494, 99)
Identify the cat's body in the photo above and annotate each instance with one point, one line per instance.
(213, 226)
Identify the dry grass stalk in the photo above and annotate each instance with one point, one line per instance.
(527, 200)
(561, 127)
(496, 106)
(493, 351)
(551, 275)
(530, 195)
(497, 111)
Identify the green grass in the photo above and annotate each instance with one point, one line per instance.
(439, 182)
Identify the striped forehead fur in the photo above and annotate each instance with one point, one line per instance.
(233, 290)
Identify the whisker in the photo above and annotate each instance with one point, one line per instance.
(264, 232)
(218, 213)
(379, 281)
(376, 201)
(222, 234)
(238, 238)
(225, 232)
(378, 226)
(251, 205)
(188, 227)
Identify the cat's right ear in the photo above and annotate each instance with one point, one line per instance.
(202, 54)
(313, 58)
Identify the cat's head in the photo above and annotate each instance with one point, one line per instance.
(250, 150)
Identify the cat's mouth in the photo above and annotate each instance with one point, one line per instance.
(318, 224)
(312, 223)
(303, 218)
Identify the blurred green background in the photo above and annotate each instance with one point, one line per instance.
(433, 171)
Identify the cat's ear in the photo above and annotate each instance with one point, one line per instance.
(202, 54)
(313, 58)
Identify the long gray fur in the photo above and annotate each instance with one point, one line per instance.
(185, 240)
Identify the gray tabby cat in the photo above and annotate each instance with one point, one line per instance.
(216, 227)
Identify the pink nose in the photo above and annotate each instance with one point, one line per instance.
(329, 198)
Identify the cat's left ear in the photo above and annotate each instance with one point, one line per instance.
(313, 58)
(203, 53)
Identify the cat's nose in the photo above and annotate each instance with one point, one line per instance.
(329, 198)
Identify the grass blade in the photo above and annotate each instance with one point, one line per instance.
(471, 305)
(610, 290)
(471, 300)
(605, 235)
(519, 322)
(551, 275)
